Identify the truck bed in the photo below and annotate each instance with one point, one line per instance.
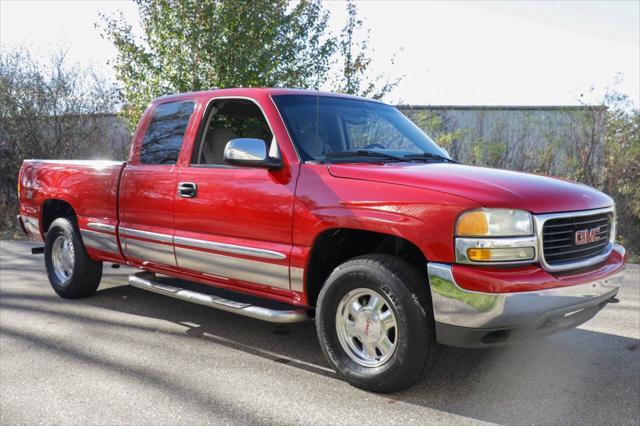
(89, 188)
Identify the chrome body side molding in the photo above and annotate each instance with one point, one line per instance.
(101, 227)
(130, 232)
(253, 271)
(150, 252)
(145, 281)
(204, 244)
(297, 279)
(230, 248)
(31, 225)
(100, 241)
(157, 249)
(189, 253)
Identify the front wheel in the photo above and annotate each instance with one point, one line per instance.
(375, 324)
(71, 272)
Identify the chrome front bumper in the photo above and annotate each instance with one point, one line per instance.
(472, 319)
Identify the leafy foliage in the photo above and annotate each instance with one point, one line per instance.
(190, 45)
(622, 167)
(51, 110)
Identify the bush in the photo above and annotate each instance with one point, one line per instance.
(622, 169)
(51, 110)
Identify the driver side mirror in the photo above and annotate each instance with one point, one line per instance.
(250, 152)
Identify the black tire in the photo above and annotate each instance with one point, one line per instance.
(86, 273)
(406, 293)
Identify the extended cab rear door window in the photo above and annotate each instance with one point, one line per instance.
(163, 140)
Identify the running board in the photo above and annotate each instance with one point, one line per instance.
(145, 281)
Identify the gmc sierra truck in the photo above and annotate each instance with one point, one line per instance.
(289, 205)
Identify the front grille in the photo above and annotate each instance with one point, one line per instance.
(559, 238)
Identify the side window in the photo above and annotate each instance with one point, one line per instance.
(229, 119)
(367, 130)
(163, 140)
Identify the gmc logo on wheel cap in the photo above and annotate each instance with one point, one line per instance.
(586, 236)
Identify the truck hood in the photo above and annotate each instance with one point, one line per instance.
(491, 188)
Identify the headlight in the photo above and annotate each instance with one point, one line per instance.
(495, 235)
(495, 223)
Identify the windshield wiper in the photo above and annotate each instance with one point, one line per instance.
(429, 156)
(366, 153)
(425, 156)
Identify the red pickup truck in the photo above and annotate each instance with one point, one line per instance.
(286, 205)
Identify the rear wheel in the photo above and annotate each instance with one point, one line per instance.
(71, 272)
(375, 324)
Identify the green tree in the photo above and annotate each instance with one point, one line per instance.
(354, 77)
(201, 44)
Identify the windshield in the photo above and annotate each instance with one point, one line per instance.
(326, 128)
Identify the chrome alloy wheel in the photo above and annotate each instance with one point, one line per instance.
(62, 258)
(367, 327)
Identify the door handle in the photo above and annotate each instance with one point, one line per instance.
(187, 189)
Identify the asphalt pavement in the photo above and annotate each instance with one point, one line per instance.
(126, 356)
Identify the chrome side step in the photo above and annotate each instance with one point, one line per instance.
(146, 281)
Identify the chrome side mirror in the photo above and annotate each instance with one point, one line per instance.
(250, 152)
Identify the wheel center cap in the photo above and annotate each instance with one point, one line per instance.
(368, 327)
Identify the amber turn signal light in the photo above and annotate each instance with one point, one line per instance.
(500, 254)
(479, 254)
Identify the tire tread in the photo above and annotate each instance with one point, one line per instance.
(398, 271)
(87, 272)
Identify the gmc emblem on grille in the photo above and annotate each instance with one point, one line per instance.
(586, 236)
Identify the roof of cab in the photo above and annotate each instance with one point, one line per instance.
(257, 91)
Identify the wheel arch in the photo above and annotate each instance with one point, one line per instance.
(334, 246)
(52, 209)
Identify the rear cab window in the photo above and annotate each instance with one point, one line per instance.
(164, 136)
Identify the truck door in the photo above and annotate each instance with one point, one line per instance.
(149, 186)
(233, 223)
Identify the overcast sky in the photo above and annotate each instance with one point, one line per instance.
(465, 53)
